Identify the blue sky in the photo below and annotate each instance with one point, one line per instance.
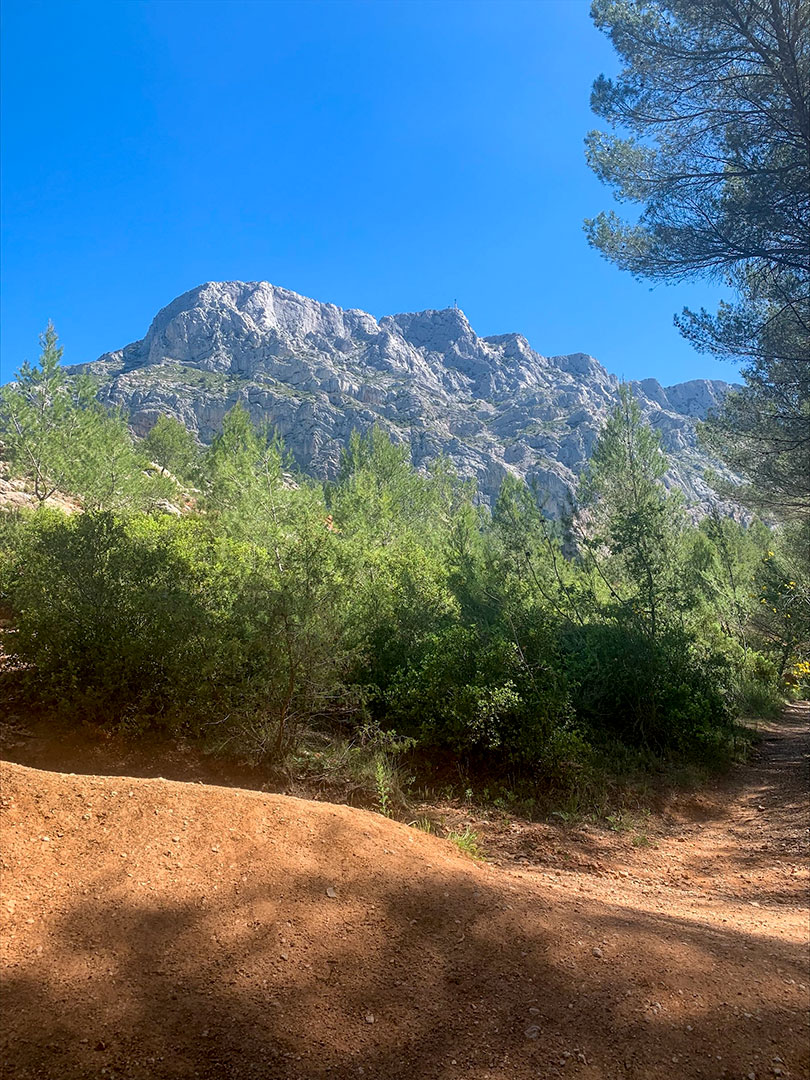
(389, 156)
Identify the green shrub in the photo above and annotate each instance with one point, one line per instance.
(662, 693)
(109, 612)
(155, 620)
(480, 698)
(13, 527)
(758, 690)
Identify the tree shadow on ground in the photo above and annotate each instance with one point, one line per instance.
(456, 973)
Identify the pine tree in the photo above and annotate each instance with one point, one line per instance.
(715, 96)
(171, 446)
(627, 521)
(60, 438)
(40, 415)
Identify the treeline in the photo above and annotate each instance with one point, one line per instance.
(216, 591)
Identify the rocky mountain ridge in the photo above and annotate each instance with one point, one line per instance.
(493, 405)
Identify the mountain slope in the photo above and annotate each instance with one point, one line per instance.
(316, 372)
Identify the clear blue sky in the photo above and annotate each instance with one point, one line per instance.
(389, 156)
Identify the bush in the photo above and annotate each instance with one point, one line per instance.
(110, 613)
(479, 697)
(154, 620)
(758, 690)
(399, 600)
(664, 693)
(13, 527)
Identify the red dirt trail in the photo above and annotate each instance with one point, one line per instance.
(152, 928)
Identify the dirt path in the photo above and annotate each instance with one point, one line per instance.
(159, 929)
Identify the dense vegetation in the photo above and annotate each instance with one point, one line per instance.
(212, 591)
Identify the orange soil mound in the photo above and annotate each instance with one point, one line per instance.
(160, 929)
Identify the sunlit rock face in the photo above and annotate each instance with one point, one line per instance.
(316, 372)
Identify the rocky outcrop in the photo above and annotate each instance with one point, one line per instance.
(15, 495)
(316, 372)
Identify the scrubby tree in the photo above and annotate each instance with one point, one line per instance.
(638, 668)
(780, 595)
(171, 446)
(40, 420)
(627, 521)
(60, 438)
(291, 605)
(378, 484)
(389, 520)
(243, 477)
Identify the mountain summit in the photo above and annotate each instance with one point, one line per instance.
(316, 372)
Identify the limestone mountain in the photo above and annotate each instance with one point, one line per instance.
(316, 372)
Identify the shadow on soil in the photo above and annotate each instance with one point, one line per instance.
(393, 979)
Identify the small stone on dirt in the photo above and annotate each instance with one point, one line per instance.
(369, 1018)
(331, 892)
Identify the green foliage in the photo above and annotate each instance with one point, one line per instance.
(171, 447)
(761, 430)
(110, 472)
(13, 527)
(627, 523)
(660, 693)
(466, 841)
(159, 621)
(424, 824)
(639, 669)
(391, 524)
(758, 689)
(713, 95)
(713, 101)
(108, 613)
(41, 420)
(243, 477)
(63, 441)
(387, 613)
(480, 697)
(383, 781)
(780, 596)
(387, 749)
(378, 485)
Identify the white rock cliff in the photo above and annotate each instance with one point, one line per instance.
(316, 372)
